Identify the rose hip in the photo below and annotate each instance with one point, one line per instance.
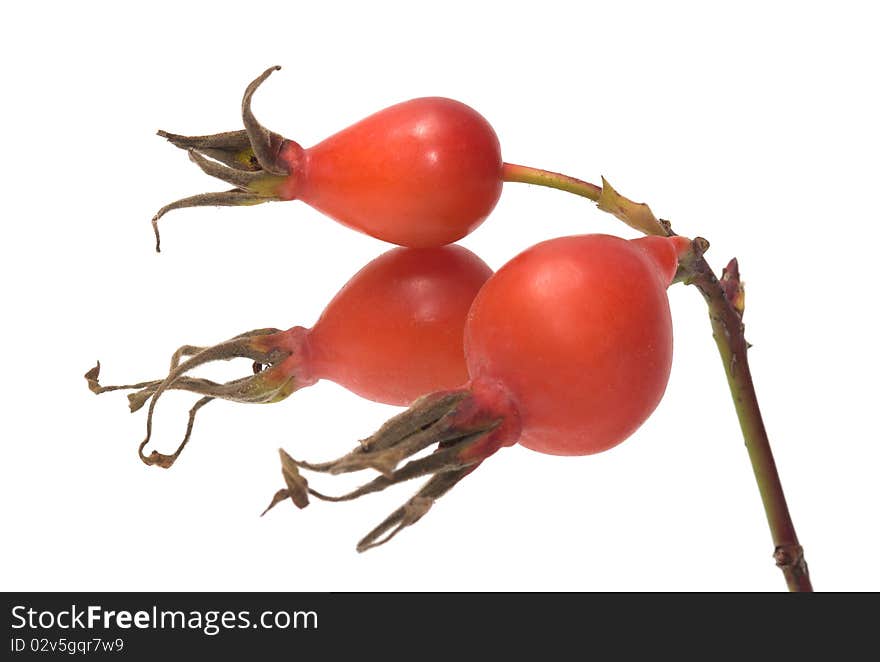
(392, 333)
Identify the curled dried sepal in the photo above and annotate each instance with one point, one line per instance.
(250, 159)
(267, 145)
(427, 422)
(232, 148)
(144, 390)
(637, 215)
(413, 510)
(155, 458)
(297, 489)
(463, 436)
(278, 377)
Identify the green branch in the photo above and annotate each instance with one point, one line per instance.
(725, 299)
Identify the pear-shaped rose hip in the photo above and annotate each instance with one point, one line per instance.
(424, 172)
(568, 348)
(392, 333)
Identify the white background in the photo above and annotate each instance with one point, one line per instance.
(754, 126)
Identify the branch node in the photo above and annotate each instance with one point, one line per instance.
(701, 245)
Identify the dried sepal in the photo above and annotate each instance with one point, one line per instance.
(413, 510)
(232, 148)
(163, 460)
(297, 489)
(273, 383)
(250, 159)
(462, 443)
(266, 144)
(427, 422)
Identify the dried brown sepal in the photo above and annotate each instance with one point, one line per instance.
(266, 144)
(256, 388)
(297, 486)
(268, 385)
(280, 495)
(297, 489)
(146, 389)
(192, 384)
(232, 148)
(413, 510)
(93, 375)
(155, 458)
(244, 180)
(249, 159)
(447, 457)
(235, 198)
(427, 422)
(421, 414)
(434, 420)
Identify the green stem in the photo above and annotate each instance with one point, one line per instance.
(526, 175)
(728, 331)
